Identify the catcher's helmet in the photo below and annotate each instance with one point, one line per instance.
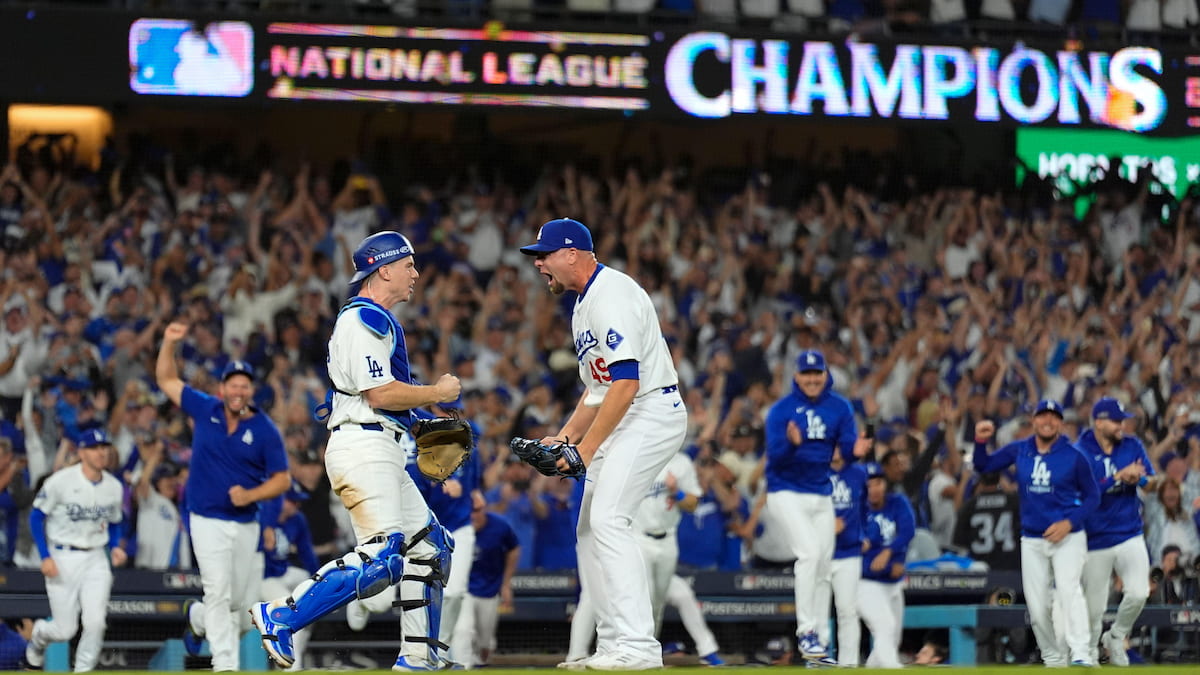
(378, 250)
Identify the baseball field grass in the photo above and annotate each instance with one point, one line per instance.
(1175, 669)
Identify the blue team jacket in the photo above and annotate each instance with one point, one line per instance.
(1053, 486)
(891, 526)
(824, 421)
(849, 498)
(1119, 516)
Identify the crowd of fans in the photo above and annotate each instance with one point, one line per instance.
(936, 306)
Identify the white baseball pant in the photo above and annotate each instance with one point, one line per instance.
(661, 556)
(611, 567)
(79, 594)
(681, 595)
(455, 592)
(881, 606)
(583, 628)
(1051, 573)
(475, 631)
(366, 470)
(843, 587)
(1130, 560)
(809, 533)
(223, 549)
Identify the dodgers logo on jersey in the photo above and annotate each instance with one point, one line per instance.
(814, 425)
(91, 513)
(583, 342)
(841, 493)
(613, 339)
(887, 528)
(1039, 477)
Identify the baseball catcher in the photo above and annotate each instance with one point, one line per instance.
(443, 444)
(545, 458)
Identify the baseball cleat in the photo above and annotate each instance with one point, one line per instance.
(811, 647)
(577, 663)
(193, 642)
(405, 664)
(673, 648)
(1117, 655)
(276, 639)
(712, 659)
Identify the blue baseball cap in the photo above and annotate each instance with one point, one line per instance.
(1048, 405)
(93, 438)
(810, 360)
(1109, 408)
(237, 368)
(560, 233)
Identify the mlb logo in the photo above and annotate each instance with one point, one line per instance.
(184, 58)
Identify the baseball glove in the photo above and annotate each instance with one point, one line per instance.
(443, 444)
(545, 458)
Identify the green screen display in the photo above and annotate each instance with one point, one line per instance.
(1077, 158)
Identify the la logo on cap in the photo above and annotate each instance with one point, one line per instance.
(812, 359)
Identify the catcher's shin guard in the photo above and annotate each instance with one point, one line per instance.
(363, 572)
(421, 595)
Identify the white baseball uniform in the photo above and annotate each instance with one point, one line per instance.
(78, 513)
(655, 530)
(364, 459)
(162, 539)
(656, 524)
(615, 321)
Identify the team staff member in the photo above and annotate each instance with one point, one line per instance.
(399, 538)
(75, 515)
(628, 424)
(1057, 492)
(803, 429)
(238, 460)
(496, 552)
(887, 532)
(1114, 530)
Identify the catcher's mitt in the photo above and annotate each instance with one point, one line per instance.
(443, 444)
(545, 458)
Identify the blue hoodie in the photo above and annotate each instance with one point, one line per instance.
(1119, 516)
(824, 421)
(1055, 486)
(849, 499)
(891, 526)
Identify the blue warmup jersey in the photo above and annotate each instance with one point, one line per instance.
(554, 542)
(824, 422)
(892, 527)
(492, 544)
(849, 488)
(1119, 516)
(247, 457)
(293, 547)
(1055, 486)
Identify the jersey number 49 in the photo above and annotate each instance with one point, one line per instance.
(600, 371)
